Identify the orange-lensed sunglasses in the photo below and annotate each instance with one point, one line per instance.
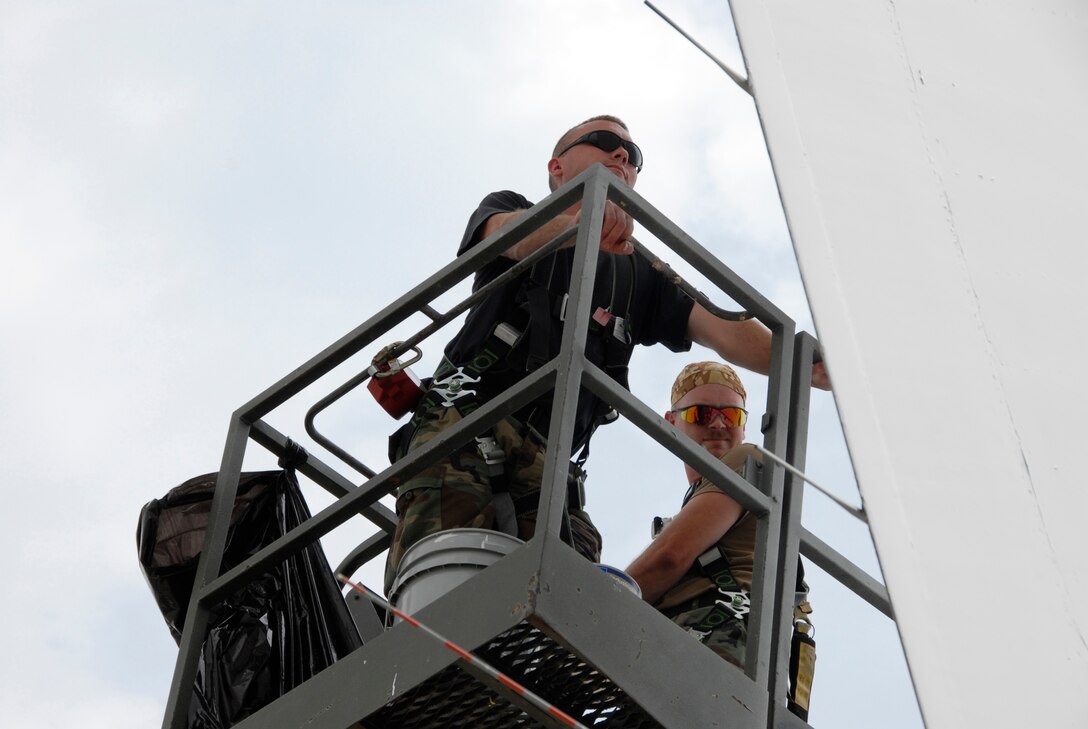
(732, 416)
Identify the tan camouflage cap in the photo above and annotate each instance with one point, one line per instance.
(706, 373)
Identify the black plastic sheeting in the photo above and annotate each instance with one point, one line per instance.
(269, 636)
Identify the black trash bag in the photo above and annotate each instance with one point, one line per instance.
(270, 635)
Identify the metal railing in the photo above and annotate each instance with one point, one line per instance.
(635, 650)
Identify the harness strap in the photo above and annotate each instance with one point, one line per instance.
(615, 331)
(802, 668)
(539, 302)
(737, 603)
(456, 386)
(576, 493)
(452, 386)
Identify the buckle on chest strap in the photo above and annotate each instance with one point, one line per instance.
(737, 602)
(452, 387)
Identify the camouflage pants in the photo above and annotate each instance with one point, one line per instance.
(456, 491)
(726, 636)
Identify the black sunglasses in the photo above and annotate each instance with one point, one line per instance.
(608, 142)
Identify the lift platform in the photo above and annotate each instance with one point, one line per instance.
(543, 614)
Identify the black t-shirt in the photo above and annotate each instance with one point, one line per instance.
(657, 313)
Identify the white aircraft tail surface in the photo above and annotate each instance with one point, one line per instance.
(932, 164)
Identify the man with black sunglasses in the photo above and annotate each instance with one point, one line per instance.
(495, 482)
(698, 568)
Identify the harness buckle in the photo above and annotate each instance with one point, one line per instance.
(699, 635)
(619, 329)
(451, 388)
(739, 603)
(490, 450)
(709, 557)
(507, 334)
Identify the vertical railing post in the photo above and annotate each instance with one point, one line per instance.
(570, 360)
(211, 561)
(792, 500)
(761, 625)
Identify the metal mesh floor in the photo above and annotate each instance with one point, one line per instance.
(454, 699)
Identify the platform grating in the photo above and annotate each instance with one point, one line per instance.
(453, 699)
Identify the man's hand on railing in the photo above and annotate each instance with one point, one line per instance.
(616, 230)
(820, 378)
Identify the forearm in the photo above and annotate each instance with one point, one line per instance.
(655, 571)
(744, 343)
(616, 228)
(701, 523)
(749, 346)
(535, 240)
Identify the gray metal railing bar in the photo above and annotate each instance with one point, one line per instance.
(786, 566)
(211, 560)
(328, 444)
(842, 569)
(368, 623)
(501, 280)
(687, 450)
(847, 507)
(321, 474)
(677, 280)
(769, 539)
(438, 321)
(532, 386)
(692, 252)
(374, 545)
(570, 359)
(441, 320)
(413, 301)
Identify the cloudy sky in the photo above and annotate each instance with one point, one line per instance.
(196, 198)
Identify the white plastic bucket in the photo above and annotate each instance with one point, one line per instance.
(440, 562)
(621, 578)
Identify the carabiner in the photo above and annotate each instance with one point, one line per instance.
(383, 366)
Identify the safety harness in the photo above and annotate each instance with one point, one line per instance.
(733, 602)
(526, 346)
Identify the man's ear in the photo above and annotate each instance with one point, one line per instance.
(555, 168)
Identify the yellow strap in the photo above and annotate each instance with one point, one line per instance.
(806, 668)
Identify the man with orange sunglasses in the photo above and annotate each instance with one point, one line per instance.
(698, 569)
